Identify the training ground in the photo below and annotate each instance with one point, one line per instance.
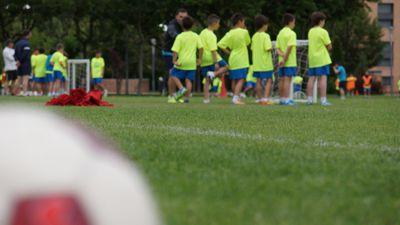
(221, 164)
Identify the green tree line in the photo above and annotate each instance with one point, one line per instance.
(123, 28)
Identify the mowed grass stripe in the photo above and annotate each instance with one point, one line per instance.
(221, 164)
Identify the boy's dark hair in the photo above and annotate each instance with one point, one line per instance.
(41, 50)
(180, 10)
(187, 23)
(9, 41)
(60, 46)
(213, 19)
(288, 18)
(317, 17)
(236, 18)
(25, 33)
(260, 21)
(52, 51)
(98, 51)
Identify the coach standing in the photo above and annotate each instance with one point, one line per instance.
(174, 28)
(23, 58)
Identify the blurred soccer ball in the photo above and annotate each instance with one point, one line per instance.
(55, 173)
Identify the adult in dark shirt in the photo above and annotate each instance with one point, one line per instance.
(23, 58)
(174, 28)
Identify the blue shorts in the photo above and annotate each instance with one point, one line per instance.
(24, 70)
(183, 74)
(297, 87)
(238, 74)
(41, 80)
(251, 84)
(49, 78)
(264, 75)
(58, 75)
(97, 81)
(206, 69)
(319, 71)
(287, 72)
(167, 56)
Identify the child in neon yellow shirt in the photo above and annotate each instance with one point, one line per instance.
(212, 64)
(234, 44)
(185, 47)
(98, 65)
(286, 47)
(263, 68)
(319, 60)
(39, 68)
(57, 64)
(64, 63)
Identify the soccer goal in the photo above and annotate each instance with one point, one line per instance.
(79, 74)
(299, 93)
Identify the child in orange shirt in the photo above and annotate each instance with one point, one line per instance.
(367, 78)
(351, 84)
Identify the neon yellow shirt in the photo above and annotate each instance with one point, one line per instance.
(56, 60)
(64, 61)
(33, 59)
(237, 41)
(39, 65)
(297, 80)
(98, 65)
(261, 47)
(250, 77)
(286, 38)
(318, 55)
(186, 45)
(209, 41)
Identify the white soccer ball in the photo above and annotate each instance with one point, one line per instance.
(52, 172)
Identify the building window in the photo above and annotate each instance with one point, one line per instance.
(385, 14)
(387, 55)
(386, 81)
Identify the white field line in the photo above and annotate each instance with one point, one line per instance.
(258, 137)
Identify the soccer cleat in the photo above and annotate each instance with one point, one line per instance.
(266, 103)
(171, 100)
(210, 74)
(181, 93)
(326, 103)
(287, 103)
(206, 101)
(186, 101)
(238, 102)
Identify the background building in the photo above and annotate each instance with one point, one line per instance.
(387, 12)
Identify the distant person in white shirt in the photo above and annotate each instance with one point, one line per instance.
(10, 67)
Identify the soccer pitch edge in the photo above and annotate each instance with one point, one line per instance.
(258, 137)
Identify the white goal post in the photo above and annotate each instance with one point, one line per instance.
(302, 67)
(79, 74)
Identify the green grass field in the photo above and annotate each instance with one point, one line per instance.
(221, 164)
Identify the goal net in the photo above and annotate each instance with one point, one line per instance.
(298, 91)
(79, 74)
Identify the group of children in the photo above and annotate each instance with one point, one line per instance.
(191, 50)
(49, 74)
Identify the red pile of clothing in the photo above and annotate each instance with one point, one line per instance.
(79, 97)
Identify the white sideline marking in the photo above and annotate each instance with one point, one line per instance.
(259, 137)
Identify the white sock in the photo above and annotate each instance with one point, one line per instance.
(310, 99)
(323, 99)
